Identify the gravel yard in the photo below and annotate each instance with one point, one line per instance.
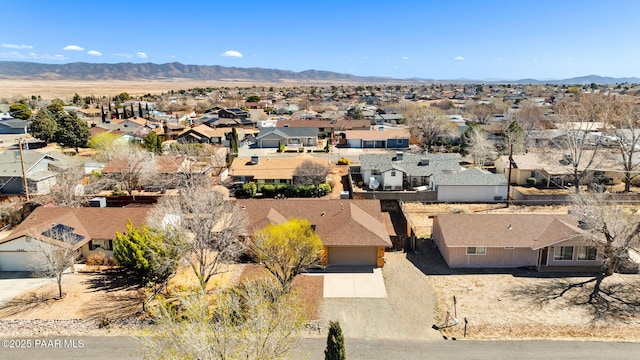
(406, 313)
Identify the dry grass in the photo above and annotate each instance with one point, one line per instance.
(185, 280)
(111, 295)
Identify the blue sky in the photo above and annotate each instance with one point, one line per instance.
(402, 39)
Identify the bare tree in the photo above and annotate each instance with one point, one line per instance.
(54, 257)
(69, 190)
(130, 168)
(577, 118)
(428, 125)
(482, 112)
(613, 228)
(311, 173)
(252, 321)
(479, 146)
(529, 115)
(210, 225)
(628, 141)
(201, 161)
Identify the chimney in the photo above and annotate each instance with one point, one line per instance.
(255, 159)
(399, 155)
(424, 161)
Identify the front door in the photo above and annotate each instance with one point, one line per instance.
(542, 259)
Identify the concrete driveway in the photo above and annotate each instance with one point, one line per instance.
(367, 283)
(13, 283)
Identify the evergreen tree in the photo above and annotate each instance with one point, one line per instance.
(133, 114)
(71, 131)
(43, 126)
(140, 114)
(335, 343)
(117, 114)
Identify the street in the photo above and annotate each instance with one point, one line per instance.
(126, 347)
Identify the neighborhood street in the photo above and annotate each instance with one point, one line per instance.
(125, 347)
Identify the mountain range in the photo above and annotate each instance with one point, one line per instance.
(150, 71)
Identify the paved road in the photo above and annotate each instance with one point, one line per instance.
(124, 347)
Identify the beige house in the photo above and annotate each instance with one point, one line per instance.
(353, 232)
(91, 229)
(269, 170)
(514, 240)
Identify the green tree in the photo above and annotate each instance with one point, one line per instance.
(132, 112)
(20, 110)
(140, 113)
(513, 136)
(335, 343)
(311, 173)
(104, 144)
(152, 142)
(43, 126)
(573, 90)
(253, 98)
(355, 113)
(286, 249)
(146, 108)
(71, 131)
(145, 252)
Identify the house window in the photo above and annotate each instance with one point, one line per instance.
(476, 250)
(563, 253)
(393, 173)
(587, 253)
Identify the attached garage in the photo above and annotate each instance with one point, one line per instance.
(269, 143)
(353, 255)
(17, 261)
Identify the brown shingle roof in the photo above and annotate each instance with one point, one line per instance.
(267, 168)
(338, 222)
(92, 223)
(506, 230)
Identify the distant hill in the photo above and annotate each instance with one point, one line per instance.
(175, 70)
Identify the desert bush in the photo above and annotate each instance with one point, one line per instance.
(344, 161)
(531, 181)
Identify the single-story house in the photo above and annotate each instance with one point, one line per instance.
(13, 126)
(389, 139)
(232, 113)
(403, 171)
(90, 229)
(514, 240)
(276, 170)
(323, 126)
(38, 170)
(380, 119)
(353, 232)
(270, 137)
(469, 185)
(203, 134)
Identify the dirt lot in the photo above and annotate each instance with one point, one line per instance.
(521, 304)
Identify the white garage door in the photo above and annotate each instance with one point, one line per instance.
(353, 256)
(266, 143)
(17, 261)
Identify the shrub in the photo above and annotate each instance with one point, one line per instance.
(250, 189)
(531, 181)
(99, 258)
(344, 161)
(324, 189)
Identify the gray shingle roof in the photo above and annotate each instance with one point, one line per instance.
(287, 132)
(470, 177)
(410, 163)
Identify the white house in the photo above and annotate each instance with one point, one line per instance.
(469, 185)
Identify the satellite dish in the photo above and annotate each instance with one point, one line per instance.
(373, 183)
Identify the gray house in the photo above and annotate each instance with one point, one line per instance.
(469, 185)
(401, 171)
(38, 170)
(287, 136)
(13, 126)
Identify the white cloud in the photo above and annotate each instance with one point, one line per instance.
(569, 59)
(124, 55)
(141, 55)
(31, 55)
(94, 53)
(498, 58)
(535, 60)
(231, 53)
(458, 58)
(17, 46)
(405, 58)
(73, 48)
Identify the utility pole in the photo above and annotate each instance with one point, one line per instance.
(24, 175)
(509, 180)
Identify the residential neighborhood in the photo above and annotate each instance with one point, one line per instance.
(353, 197)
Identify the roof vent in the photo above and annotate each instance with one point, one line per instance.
(424, 161)
(255, 159)
(398, 156)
